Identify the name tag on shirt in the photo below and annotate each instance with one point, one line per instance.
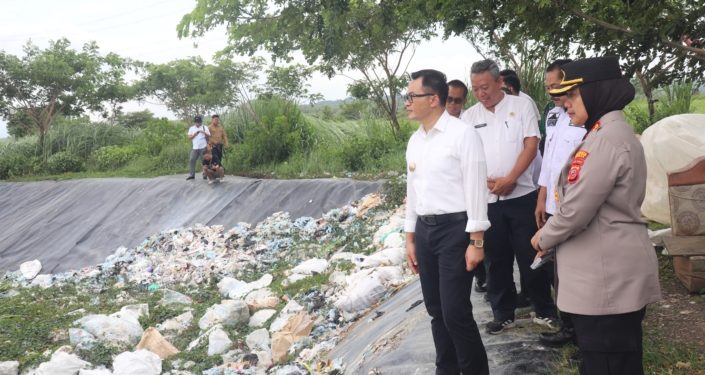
(480, 125)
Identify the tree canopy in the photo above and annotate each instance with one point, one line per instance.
(190, 86)
(58, 80)
(376, 38)
(657, 41)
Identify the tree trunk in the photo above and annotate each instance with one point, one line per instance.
(649, 94)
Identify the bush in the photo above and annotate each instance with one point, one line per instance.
(19, 158)
(63, 162)
(274, 130)
(158, 135)
(113, 157)
(375, 148)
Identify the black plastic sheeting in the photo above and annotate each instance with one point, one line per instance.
(395, 338)
(71, 224)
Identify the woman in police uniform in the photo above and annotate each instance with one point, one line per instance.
(606, 265)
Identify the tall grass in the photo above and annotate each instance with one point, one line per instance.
(674, 99)
(81, 138)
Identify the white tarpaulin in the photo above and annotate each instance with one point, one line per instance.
(669, 144)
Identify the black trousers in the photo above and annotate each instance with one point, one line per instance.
(217, 152)
(513, 225)
(610, 344)
(446, 286)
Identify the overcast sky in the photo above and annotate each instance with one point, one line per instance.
(146, 30)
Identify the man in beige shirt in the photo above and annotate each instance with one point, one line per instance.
(218, 139)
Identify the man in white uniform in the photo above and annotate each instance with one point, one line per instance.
(446, 216)
(561, 139)
(509, 130)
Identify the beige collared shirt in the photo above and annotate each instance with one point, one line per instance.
(446, 174)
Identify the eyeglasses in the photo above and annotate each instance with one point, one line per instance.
(453, 100)
(410, 96)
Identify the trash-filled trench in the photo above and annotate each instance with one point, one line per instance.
(285, 297)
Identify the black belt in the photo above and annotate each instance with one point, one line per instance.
(442, 219)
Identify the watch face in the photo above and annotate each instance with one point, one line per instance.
(479, 243)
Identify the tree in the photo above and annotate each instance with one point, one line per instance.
(190, 86)
(57, 80)
(290, 82)
(135, 120)
(375, 38)
(653, 39)
(19, 124)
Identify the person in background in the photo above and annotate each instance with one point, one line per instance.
(607, 267)
(511, 85)
(198, 134)
(445, 221)
(211, 169)
(218, 139)
(561, 139)
(457, 98)
(455, 105)
(508, 128)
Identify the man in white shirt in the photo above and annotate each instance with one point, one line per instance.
(561, 139)
(509, 130)
(446, 216)
(198, 134)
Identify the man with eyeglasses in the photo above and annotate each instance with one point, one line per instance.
(509, 131)
(446, 216)
(457, 97)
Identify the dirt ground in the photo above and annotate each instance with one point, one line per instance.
(679, 320)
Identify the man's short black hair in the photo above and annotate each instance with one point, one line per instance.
(434, 81)
(215, 116)
(558, 64)
(508, 72)
(513, 82)
(459, 84)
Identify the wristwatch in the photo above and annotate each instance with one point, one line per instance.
(478, 243)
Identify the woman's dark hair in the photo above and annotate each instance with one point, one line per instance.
(434, 81)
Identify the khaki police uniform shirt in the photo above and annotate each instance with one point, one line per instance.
(605, 261)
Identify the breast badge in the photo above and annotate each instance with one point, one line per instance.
(412, 166)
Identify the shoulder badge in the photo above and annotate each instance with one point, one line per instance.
(576, 165)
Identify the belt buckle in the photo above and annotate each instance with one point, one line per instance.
(431, 220)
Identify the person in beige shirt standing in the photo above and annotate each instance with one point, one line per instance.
(218, 139)
(606, 265)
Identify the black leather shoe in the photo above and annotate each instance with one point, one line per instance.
(190, 178)
(480, 288)
(557, 339)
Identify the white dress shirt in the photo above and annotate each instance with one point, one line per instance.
(446, 173)
(200, 140)
(503, 132)
(561, 140)
(536, 108)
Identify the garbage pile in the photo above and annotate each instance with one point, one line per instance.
(285, 292)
